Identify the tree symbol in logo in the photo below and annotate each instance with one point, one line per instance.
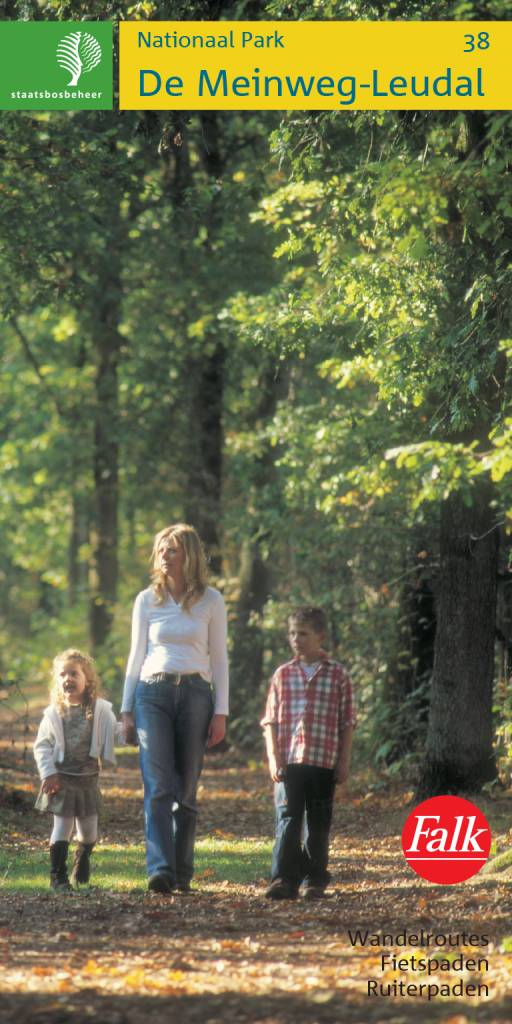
(78, 52)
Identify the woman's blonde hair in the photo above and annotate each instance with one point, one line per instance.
(195, 569)
(89, 670)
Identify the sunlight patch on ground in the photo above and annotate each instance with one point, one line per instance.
(113, 865)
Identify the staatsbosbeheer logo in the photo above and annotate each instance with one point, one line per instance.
(56, 65)
(446, 839)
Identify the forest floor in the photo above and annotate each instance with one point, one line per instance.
(121, 955)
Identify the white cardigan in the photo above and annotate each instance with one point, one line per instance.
(49, 745)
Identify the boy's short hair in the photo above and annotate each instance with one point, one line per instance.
(308, 615)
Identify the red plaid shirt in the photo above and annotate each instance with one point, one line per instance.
(310, 715)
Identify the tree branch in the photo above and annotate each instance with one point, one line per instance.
(35, 365)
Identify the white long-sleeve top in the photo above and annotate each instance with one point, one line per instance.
(49, 747)
(166, 638)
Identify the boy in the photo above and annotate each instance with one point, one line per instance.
(308, 724)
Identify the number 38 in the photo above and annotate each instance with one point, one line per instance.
(479, 42)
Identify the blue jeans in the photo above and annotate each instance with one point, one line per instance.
(172, 725)
(304, 797)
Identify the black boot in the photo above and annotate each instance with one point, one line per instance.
(58, 866)
(81, 868)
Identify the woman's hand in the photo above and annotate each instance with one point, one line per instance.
(129, 730)
(51, 784)
(217, 730)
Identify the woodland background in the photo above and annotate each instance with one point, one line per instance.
(293, 331)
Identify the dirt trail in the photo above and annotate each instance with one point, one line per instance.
(121, 956)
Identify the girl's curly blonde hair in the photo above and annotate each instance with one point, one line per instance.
(195, 569)
(88, 667)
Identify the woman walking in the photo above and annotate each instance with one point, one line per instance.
(175, 698)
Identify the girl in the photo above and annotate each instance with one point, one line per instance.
(78, 729)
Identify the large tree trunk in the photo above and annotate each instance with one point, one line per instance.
(459, 754)
(410, 670)
(504, 618)
(202, 504)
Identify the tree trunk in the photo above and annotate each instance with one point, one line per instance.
(206, 480)
(106, 455)
(410, 671)
(255, 572)
(78, 569)
(203, 497)
(202, 504)
(459, 754)
(248, 641)
(504, 617)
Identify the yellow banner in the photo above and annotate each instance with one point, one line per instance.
(315, 65)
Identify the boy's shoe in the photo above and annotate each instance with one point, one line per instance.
(279, 889)
(314, 892)
(161, 884)
(61, 887)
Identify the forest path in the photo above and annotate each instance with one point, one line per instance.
(120, 955)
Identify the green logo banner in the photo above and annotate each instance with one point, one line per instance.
(57, 65)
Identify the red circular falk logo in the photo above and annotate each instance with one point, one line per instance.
(446, 839)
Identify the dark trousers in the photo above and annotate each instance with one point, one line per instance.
(303, 798)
